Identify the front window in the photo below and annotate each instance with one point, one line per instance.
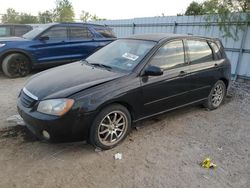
(122, 55)
(169, 56)
(37, 31)
(56, 33)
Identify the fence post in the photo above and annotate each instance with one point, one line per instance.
(243, 42)
(133, 28)
(175, 27)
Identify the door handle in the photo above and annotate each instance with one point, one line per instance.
(182, 73)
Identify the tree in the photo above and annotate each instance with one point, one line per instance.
(85, 16)
(64, 11)
(11, 16)
(46, 17)
(218, 7)
(223, 12)
(96, 18)
(194, 9)
(25, 18)
(19, 18)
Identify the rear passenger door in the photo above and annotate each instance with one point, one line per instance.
(204, 68)
(82, 42)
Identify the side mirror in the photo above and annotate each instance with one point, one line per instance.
(43, 38)
(153, 71)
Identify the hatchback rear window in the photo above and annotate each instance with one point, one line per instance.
(199, 51)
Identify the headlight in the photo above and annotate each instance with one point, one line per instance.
(56, 107)
(2, 45)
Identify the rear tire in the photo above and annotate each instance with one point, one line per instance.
(216, 96)
(16, 65)
(110, 127)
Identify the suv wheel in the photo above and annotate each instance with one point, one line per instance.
(216, 96)
(110, 127)
(16, 65)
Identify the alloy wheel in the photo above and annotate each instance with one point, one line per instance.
(19, 66)
(112, 128)
(218, 95)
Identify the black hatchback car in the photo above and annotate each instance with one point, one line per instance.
(131, 79)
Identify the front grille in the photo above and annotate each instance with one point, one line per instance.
(26, 100)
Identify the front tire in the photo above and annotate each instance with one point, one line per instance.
(216, 96)
(110, 127)
(16, 65)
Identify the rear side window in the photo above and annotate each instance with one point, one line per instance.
(199, 51)
(4, 31)
(56, 33)
(216, 49)
(105, 32)
(169, 56)
(21, 30)
(78, 33)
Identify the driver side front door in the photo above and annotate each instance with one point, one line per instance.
(170, 90)
(56, 49)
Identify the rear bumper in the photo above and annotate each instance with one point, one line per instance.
(70, 127)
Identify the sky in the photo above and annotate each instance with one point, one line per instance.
(109, 9)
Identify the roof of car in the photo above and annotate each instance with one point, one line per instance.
(160, 36)
(85, 23)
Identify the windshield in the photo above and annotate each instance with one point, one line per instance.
(35, 32)
(122, 55)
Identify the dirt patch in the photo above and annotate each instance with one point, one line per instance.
(165, 151)
(17, 131)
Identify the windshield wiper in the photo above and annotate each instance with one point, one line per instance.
(101, 65)
(86, 62)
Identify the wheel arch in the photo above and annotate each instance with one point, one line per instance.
(8, 52)
(226, 82)
(128, 106)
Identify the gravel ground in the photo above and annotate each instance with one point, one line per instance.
(165, 152)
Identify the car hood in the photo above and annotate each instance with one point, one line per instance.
(66, 80)
(12, 39)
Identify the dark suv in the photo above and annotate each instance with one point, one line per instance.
(51, 44)
(14, 30)
(128, 80)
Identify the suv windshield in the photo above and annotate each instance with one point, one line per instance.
(122, 55)
(35, 32)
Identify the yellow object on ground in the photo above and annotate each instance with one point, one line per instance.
(207, 163)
